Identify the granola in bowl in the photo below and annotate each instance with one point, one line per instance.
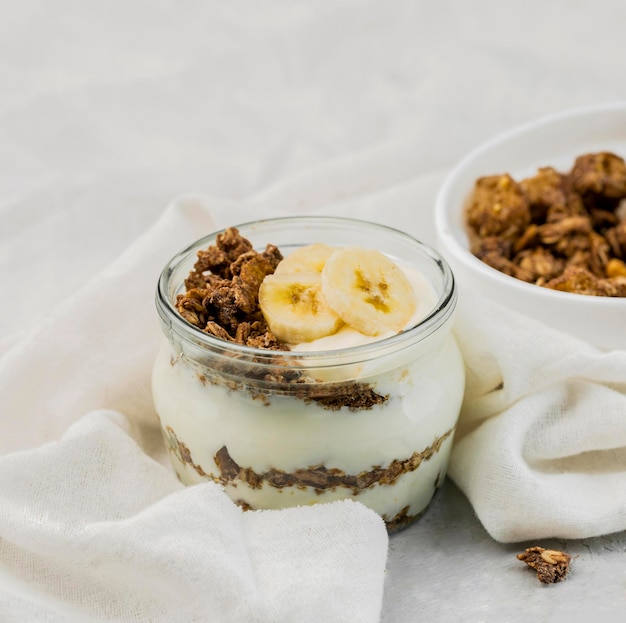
(533, 220)
(564, 231)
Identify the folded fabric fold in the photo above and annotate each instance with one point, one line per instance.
(94, 529)
(95, 350)
(541, 445)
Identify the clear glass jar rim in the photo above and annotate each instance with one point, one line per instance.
(438, 316)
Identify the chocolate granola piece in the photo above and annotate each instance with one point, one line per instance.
(603, 219)
(229, 469)
(232, 243)
(507, 267)
(555, 232)
(599, 254)
(401, 520)
(574, 279)
(614, 286)
(493, 245)
(195, 281)
(498, 207)
(222, 300)
(579, 280)
(273, 255)
(267, 261)
(265, 340)
(180, 450)
(573, 238)
(251, 268)
(528, 239)
(223, 288)
(540, 263)
(601, 174)
(497, 252)
(551, 565)
(354, 396)
(573, 205)
(257, 335)
(210, 260)
(191, 308)
(544, 190)
(212, 328)
(217, 259)
(616, 237)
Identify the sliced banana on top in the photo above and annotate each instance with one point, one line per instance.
(310, 258)
(294, 307)
(368, 291)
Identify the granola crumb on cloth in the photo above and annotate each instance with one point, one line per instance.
(551, 565)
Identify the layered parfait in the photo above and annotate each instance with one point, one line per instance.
(328, 371)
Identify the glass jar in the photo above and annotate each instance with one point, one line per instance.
(372, 423)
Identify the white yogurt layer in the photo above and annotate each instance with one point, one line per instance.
(289, 434)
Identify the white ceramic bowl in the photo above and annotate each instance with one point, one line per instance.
(552, 141)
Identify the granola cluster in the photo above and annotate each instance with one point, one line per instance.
(222, 296)
(222, 299)
(551, 565)
(565, 231)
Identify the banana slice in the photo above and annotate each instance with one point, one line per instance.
(368, 291)
(309, 259)
(295, 309)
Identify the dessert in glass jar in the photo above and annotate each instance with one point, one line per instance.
(310, 359)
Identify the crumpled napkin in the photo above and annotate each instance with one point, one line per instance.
(540, 450)
(92, 527)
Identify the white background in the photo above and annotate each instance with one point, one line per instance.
(108, 110)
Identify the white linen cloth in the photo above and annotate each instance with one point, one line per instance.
(94, 529)
(541, 446)
(97, 531)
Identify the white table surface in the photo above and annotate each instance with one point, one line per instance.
(110, 109)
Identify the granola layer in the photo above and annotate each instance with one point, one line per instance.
(319, 479)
